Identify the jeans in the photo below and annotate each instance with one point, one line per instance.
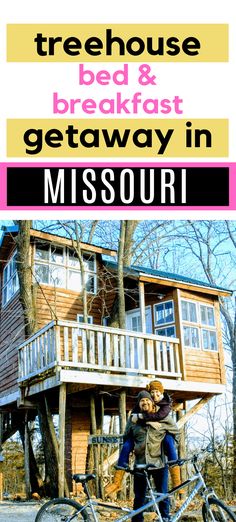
(161, 483)
(169, 447)
(128, 446)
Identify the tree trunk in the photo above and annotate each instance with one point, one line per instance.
(24, 270)
(125, 252)
(234, 414)
(130, 228)
(121, 291)
(95, 446)
(50, 455)
(36, 481)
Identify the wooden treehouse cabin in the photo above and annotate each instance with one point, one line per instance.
(90, 371)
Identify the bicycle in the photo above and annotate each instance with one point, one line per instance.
(67, 510)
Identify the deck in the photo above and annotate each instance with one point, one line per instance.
(96, 354)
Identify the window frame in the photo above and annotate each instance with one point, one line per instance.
(156, 325)
(171, 325)
(199, 325)
(66, 266)
(208, 330)
(6, 282)
(193, 325)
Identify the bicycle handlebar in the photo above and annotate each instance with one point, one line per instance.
(138, 468)
(170, 463)
(180, 462)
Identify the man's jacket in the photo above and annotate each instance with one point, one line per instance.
(148, 439)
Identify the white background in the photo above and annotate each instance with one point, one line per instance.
(208, 90)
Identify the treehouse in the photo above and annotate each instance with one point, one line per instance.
(85, 370)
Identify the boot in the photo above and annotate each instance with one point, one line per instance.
(115, 486)
(176, 478)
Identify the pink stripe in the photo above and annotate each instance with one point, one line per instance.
(232, 185)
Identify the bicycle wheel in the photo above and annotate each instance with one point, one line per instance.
(217, 511)
(61, 510)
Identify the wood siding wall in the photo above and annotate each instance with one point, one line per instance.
(197, 365)
(51, 303)
(203, 365)
(58, 303)
(11, 335)
(80, 434)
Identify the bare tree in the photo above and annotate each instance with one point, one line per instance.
(25, 276)
(213, 429)
(213, 246)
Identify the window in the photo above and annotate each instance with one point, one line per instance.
(80, 318)
(49, 265)
(10, 280)
(209, 340)
(191, 337)
(169, 331)
(189, 311)
(59, 266)
(203, 334)
(164, 313)
(74, 274)
(207, 315)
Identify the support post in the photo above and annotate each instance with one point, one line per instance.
(95, 446)
(1, 477)
(182, 445)
(122, 411)
(1, 431)
(1, 457)
(61, 444)
(142, 306)
(179, 332)
(27, 460)
(102, 449)
(122, 415)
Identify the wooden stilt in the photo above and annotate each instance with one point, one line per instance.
(182, 444)
(122, 410)
(1, 430)
(27, 461)
(142, 306)
(1, 457)
(1, 477)
(102, 449)
(122, 415)
(61, 445)
(95, 446)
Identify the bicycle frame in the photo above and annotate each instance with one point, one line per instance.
(200, 484)
(156, 498)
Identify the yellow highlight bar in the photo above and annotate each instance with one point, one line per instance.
(117, 43)
(105, 138)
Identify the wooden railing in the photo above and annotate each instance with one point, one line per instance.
(83, 346)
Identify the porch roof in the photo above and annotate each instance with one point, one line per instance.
(150, 274)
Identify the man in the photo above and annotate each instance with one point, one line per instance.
(162, 435)
(146, 450)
